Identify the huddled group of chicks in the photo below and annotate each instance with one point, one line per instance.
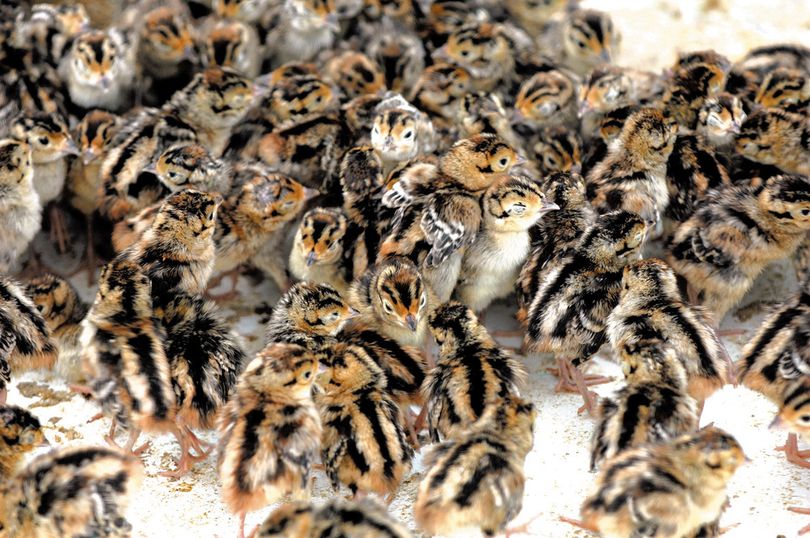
(393, 167)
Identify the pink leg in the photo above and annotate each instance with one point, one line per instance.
(805, 511)
(792, 452)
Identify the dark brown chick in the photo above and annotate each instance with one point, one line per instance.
(777, 138)
(476, 480)
(652, 408)
(633, 175)
(439, 207)
(25, 340)
(730, 239)
(335, 519)
(364, 445)
(720, 119)
(72, 492)
(63, 311)
(690, 87)
(652, 306)
(670, 489)
(20, 433)
(473, 372)
(270, 431)
(309, 315)
(575, 294)
(786, 89)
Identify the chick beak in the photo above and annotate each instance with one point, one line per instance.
(332, 23)
(105, 83)
(441, 53)
(353, 313)
(88, 156)
(777, 423)
(309, 194)
(517, 116)
(71, 148)
(521, 160)
(576, 168)
(604, 56)
(310, 258)
(45, 443)
(584, 108)
(548, 206)
(410, 321)
(188, 52)
(735, 127)
(151, 169)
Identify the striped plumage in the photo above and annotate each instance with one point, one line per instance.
(318, 249)
(670, 489)
(476, 480)
(20, 206)
(555, 149)
(25, 340)
(20, 433)
(234, 44)
(651, 306)
(270, 430)
(653, 407)
(547, 98)
(72, 492)
(588, 39)
(364, 446)
(775, 137)
(730, 239)
(472, 373)
(693, 172)
(787, 89)
(191, 166)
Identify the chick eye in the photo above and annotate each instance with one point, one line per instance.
(805, 212)
(465, 53)
(581, 44)
(44, 140)
(408, 134)
(307, 375)
(387, 307)
(423, 301)
(503, 162)
(549, 160)
(804, 419)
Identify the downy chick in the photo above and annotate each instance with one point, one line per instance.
(776, 138)
(335, 519)
(483, 50)
(270, 431)
(652, 408)
(651, 305)
(476, 480)
(192, 167)
(364, 445)
(491, 264)
(317, 254)
(439, 211)
(730, 239)
(547, 98)
(392, 297)
(691, 86)
(720, 119)
(25, 341)
(671, 489)
(63, 311)
(585, 39)
(355, 74)
(576, 292)
(472, 374)
(633, 175)
(401, 134)
(71, 492)
(786, 89)
(309, 315)
(20, 433)
(20, 207)
(304, 28)
(234, 44)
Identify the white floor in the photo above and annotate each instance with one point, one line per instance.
(558, 478)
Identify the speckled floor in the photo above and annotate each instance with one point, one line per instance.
(558, 478)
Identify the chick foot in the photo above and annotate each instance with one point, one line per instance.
(229, 295)
(792, 452)
(805, 511)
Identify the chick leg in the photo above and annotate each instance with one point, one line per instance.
(792, 452)
(579, 524)
(185, 461)
(3, 396)
(231, 294)
(134, 433)
(805, 511)
(567, 383)
(520, 529)
(242, 516)
(58, 228)
(202, 448)
(588, 396)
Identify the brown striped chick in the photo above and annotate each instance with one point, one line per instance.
(25, 341)
(476, 480)
(584, 40)
(794, 416)
(400, 55)
(689, 88)
(555, 149)
(471, 375)
(349, 519)
(309, 150)
(534, 15)
(401, 134)
(547, 98)
(483, 50)
(439, 211)
(392, 296)
(304, 28)
(554, 235)
(191, 166)
(124, 352)
(294, 98)
(248, 11)
(49, 30)
(20, 207)
(364, 444)
(234, 44)
(270, 431)
(317, 254)
(72, 492)
(20, 433)
(652, 408)
(778, 356)
(177, 251)
(94, 136)
(576, 293)
(492, 263)
(481, 112)
(776, 138)
(731, 238)
(670, 489)
(633, 175)
(309, 314)
(720, 119)
(651, 305)
(98, 71)
(355, 74)
(165, 52)
(63, 311)
(786, 89)
(608, 129)
(438, 90)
